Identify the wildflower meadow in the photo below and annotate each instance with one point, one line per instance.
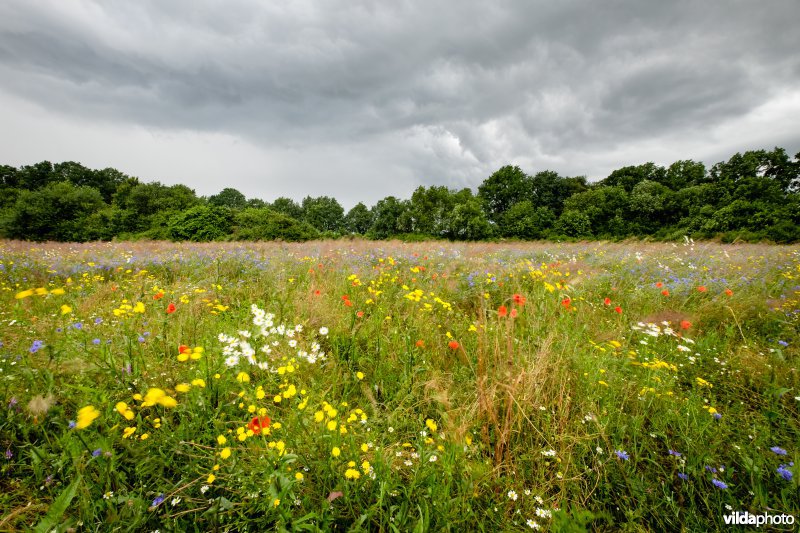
(386, 386)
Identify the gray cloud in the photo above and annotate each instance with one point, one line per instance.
(363, 99)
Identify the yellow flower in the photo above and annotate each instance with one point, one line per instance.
(211, 478)
(225, 453)
(276, 502)
(299, 476)
(431, 425)
(138, 308)
(41, 291)
(221, 440)
(127, 432)
(198, 383)
(242, 377)
(277, 398)
(364, 448)
(183, 357)
(331, 425)
(182, 387)
(360, 375)
(65, 309)
(144, 436)
(365, 466)
(24, 294)
(86, 416)
(352, 473)
(57, 292)
(336, 452)
(318, 416)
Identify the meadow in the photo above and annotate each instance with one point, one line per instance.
(356, 385)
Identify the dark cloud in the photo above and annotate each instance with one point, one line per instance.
(365, 99)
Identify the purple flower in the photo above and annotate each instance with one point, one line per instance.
(36, 346)
(141, 339)
(711, 469)
(97, 321)
(9, 453)
(97, 452)
(77, 325)
(683, 476)
(12, 402)
(719, 484)
(622, 455)
(778, 450)
(71, 424)
(676, 454)
(158, 501)
(95, 341)
(717, 416)
(784, 471)
(783, 343)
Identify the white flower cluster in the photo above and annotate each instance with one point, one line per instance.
(277, 341)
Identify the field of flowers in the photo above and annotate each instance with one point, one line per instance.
(353, 385)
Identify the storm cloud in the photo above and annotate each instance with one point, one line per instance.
(360, 100)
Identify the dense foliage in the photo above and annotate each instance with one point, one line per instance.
(752, 196)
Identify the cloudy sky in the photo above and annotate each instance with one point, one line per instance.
(361, 99)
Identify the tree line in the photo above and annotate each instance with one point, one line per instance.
(752, 196)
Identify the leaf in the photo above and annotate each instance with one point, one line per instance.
(58, 508)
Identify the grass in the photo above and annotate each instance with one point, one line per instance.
(394, 387)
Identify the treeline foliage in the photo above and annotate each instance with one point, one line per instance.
(752, 196)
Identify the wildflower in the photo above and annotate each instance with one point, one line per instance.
(138, 308)
(502, 311)
(258, 424)
(97, 453)
(519, 299)
(276, 502)
(531, 524)
(453, 345)
(784, 471)
(24, 294)
(420, 343)
(170, 308)
(778, 450)
(683, 476)
(127, 432)
(158, 500)
(86, 416)
(618, 310)
(323, 330)
(431, 425)
(702, 288)
(36, 346)
(243, 377)
(175, 501)
(566, 302)
(158, 295)
(685, 324)
(336, 452)
(512, 495)
(719, 484)
(717, 416)
(360, 375)
(728, 292)
(674, 453)
(513, 313)
(352, 473)
(210, 479)
(433, 459)
(225, 453)
(659, 284)
(65, 309)
(622, 455)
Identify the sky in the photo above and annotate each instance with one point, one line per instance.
(361, 99)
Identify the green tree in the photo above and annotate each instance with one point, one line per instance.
(253, 224)
(468, 222)
(228, 197)
(524, 221)
(358, 219)
(390, 217)
(503, 189)
(629, 177)
(201, 223)
(324, 213)
(288, 207)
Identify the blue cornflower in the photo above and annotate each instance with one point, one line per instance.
(77, 325)
(141, 339)
(97, 452)
(158, 501)
(97, 321)
(36, 346)
(622, 455)
(719, 484)
(784, 471)
(683, 476)
(778, 450)
(717, 416)
(71, 424)
(95, 341)
(783, 343)
(711, 469)
(9, 453)
(676, 454)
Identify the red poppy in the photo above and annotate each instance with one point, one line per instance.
(502, 311)
(702, 288)
(513, 313)
(565, 302)
(519, 299)
(729, 292)
(665, 292)
(184, 349)
(348, 303)
(360, 314)
(258, 423)
(158, 295)
(170, 308)
(659, 284)
(317, 293)
(685, 324)
(607, 301)
(453, 345)
(420, 343)
(618, 310)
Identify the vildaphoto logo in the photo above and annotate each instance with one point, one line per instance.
(758, 520)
